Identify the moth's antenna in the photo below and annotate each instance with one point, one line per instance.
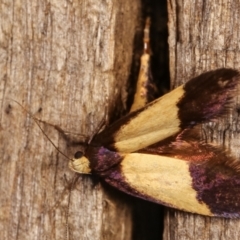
(36, 120)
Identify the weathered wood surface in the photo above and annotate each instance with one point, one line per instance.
(67, 62)
(204, 35)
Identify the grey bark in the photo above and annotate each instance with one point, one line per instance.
(67, 62)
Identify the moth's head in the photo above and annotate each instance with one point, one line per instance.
(80, 163)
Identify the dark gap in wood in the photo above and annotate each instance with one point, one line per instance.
(148, 217)
(159, 48)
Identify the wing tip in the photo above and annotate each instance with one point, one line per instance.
(208, 96)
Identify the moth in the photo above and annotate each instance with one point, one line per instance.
(153, 153)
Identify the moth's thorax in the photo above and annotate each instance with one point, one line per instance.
(101, 159)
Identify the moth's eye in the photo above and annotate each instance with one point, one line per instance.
(78, 155)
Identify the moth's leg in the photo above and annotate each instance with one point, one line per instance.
(141, 95)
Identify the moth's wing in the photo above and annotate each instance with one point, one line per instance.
(183, 143)
(201, 99)
(193, 177)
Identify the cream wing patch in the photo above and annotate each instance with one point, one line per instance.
(163, 178)
(157, 122)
